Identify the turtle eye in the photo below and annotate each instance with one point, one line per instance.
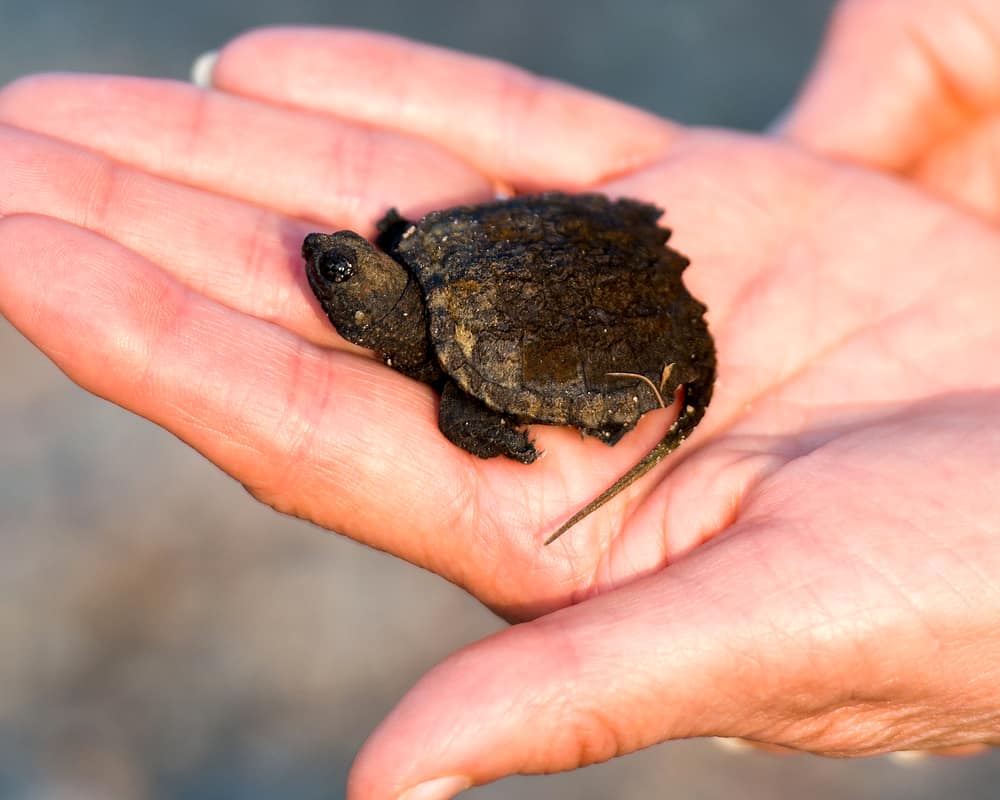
(335, 267)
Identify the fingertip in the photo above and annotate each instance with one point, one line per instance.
(261, 57)
(54, 275)
(463, 718)
(27, 91)
(576, 687)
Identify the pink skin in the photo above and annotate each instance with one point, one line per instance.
(911, 86)
(818, 567)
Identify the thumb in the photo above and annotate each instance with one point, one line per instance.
(897, 76)
(616, 673)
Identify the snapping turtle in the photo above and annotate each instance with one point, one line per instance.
(554, 308)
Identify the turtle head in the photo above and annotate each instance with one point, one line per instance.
(357, 284)
(371, 300)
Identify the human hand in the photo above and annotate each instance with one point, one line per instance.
(913, 87)
(817, 567)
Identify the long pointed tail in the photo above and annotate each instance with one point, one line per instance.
(696, 398)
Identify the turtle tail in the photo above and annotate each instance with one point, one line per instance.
(697, 394)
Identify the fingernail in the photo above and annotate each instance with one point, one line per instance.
(908, 757)
(732, 744)
(437, 789)
(202, 68)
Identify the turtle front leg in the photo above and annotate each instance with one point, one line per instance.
(480, 430)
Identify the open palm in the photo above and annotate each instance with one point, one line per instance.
(845, 472)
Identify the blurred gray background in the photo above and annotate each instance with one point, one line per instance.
(163, 636)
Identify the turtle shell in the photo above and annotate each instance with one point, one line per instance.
(550, 307)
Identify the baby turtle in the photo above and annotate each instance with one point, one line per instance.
(554, 308)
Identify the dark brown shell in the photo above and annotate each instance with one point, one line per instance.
(535, 302)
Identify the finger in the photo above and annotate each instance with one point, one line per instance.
(248, 260)
(324, 435)
(656, 660)
(312, 432)
(521, 129)
(896, 77)
(302, 164)
(242, 256)
(797, 628)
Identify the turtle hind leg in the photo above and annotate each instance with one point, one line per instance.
(480, 430)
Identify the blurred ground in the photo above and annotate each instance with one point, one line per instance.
(161, 635)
